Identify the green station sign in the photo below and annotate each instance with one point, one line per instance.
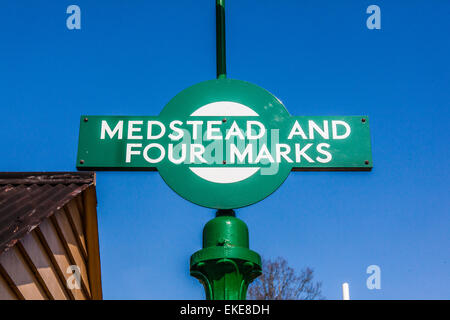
(224, 143)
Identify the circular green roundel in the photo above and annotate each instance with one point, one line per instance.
(233, 125)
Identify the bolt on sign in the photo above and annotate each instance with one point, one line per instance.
(224, 143)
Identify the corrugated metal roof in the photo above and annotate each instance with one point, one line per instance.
(27, 198)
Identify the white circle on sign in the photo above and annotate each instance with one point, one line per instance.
(224, 174)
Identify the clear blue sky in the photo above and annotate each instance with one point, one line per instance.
(319, 59)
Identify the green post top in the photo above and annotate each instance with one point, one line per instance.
(225, 266)
(225, 230)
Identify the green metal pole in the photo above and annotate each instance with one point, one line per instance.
(220, 40)
(225, 266)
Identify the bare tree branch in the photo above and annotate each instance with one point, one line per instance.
(280, 282)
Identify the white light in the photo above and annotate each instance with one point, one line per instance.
(345, 291)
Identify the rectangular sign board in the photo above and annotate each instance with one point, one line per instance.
(147, 142)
